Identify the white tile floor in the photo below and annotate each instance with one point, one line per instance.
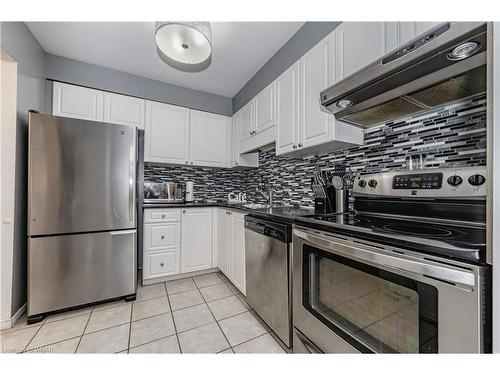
(202, 314)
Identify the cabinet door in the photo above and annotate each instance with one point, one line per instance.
(287, 110)
(316, 74)
(409, 30)
(237, 251)
(166, 138)
(208, 139)
(77, 102)
(124, 110)
(358, 44)
(237, 159)
(223, 238)
(196, 243)
(265, 108)
(247, 121)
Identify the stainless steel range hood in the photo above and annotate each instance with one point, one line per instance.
(444, 65)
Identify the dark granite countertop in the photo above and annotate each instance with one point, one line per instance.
(285, 214)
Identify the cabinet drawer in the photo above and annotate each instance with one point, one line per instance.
(160, 236)
(161, 215)
(161, 263)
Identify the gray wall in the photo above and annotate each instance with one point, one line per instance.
(22, 46)
(79, 73)
(301, 42)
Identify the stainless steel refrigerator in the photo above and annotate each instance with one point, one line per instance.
(81, 213)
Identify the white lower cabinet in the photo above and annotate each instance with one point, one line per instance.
(196, 241)
(231, 246)
(237, 251)
(184, 241)
(223, 240)
(161, 244)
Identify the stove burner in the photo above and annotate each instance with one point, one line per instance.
(416, 230)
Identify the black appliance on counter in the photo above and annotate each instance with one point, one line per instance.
(405, 272)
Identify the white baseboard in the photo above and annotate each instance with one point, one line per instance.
(179, 276)
(9, 323)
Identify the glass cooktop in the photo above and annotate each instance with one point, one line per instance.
(466, 242)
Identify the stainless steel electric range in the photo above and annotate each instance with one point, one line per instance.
(404, 272)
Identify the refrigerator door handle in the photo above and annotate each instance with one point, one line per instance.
(131, 181)
(120, 232)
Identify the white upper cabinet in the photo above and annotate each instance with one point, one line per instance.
(166, 134)
(124, 110)
(303, 127)
(77, 102)
(208, 139)
(237, 159)
(196, 242)
(409, 30)
(265, 108)
(358, 44)
(316, 74)
(287, 110)
(247, 121)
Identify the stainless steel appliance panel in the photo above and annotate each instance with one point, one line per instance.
(82, 176)
(71, 270)
(458, 330)
(267, 281)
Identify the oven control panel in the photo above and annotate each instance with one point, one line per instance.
(418, 181)
(458, 182)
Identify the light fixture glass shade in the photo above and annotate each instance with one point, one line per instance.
(185, 46)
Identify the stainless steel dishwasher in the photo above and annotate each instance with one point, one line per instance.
(268, 266)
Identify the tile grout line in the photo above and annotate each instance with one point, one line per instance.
(130, 324)
(84, 328)
(244, 342)
(218, 325)
(29, 342)
(173, 320)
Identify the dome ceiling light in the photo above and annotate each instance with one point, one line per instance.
(185, 46)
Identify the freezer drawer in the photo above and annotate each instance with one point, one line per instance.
(71, 270)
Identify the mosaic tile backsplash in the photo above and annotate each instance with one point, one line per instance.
(453, 136)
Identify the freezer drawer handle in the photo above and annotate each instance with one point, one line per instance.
(120, 232)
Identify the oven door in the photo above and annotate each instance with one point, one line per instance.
(351, 296)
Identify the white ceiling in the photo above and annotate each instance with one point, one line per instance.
(239, 50)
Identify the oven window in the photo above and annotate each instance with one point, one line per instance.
(372, 309)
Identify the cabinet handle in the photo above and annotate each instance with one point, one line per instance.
(300, 144)
(186, 162)
(183, 211)
(163, 216)
(236, 163)
(162, 264)
(192, 162)
(294, 146)
(162, 237)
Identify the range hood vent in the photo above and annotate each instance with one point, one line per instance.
(446, 65)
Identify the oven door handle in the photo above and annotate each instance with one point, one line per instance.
(393, 261)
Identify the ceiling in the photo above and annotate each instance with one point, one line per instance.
(239, 50)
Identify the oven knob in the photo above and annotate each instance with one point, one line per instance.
(476, 179)
(372, 183)
(454, 180)
(362, 183)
